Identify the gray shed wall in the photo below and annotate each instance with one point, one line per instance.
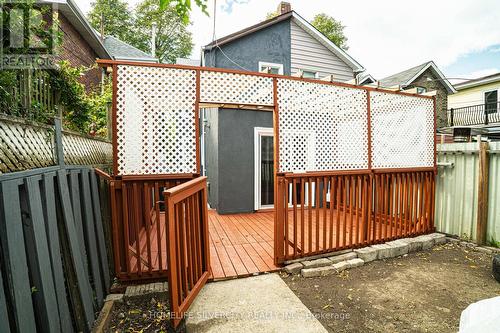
(230, 158)
(271, 44)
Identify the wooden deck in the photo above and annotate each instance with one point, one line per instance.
(241, 244)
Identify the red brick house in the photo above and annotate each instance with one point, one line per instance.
(81, 44)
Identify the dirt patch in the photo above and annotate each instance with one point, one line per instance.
(420, 292)
(147, 313)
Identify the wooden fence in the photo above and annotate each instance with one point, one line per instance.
(324, 212)
(53, 258)
(27, 145)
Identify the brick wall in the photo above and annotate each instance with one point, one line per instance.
(78, 52)
(441, 94)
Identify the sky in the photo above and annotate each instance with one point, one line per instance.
(386, 36)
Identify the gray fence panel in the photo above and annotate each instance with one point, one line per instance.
(16, 264)
(99, 230)
(4, 315)
(39, 258)
(77, 212)
(78, 260)
(55, 251)
(88, 222)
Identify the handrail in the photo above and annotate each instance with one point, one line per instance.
(184, 190)
(477, 114)
(102, 174)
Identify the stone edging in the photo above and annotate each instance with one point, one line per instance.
(338, 263)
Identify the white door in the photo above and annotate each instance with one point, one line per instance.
(264, 168)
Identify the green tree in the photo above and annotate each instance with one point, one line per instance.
(173, 40)
(183, 7)
(332, 29)
(118, 19)
(271, 15)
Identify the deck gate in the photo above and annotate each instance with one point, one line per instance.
(353, 166)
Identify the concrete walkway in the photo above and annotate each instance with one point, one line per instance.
(261, 303)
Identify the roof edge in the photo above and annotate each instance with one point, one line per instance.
(477, 82)
(443, 78)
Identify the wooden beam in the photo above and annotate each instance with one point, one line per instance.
(482, 196)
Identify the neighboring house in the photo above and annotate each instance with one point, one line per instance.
(237, 144)
(81, 45)
(421, 79)
(120, 50)
(477, 104)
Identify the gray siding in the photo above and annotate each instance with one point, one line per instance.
(211, 143)
(309, 54)
(232, 175)
(271, 44)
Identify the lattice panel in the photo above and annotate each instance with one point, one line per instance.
(156, 120)
(321, 127)
(402, 131)
(231, 88)
(81, 150)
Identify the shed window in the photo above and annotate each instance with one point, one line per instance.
(491, 101)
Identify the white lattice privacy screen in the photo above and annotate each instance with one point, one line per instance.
(155, 119)
(232, 88)
(402, 129)
(321, 127)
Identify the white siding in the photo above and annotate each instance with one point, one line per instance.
(309, 54)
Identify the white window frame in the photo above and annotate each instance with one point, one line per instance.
(271, 64)
(316, 74)
(258, 133)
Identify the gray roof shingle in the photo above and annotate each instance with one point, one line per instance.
(122, 51)
(403, 77)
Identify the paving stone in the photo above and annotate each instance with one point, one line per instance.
(468, 244)
(343, 257)
(316, 263)
(398, 247)
(341, 266)
(493, 249)
(483, 250)
(414, 244)
(427, 241)
(355, 262)
(114, 297)
(438, 238)
(383, 251)
(294, 268)
(367, 254)
(317, 271)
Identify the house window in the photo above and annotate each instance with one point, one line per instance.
(421, 90)
(309, 75)
(491, 101)
(270, 68)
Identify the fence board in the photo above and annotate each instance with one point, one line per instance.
(55, 251)
(4, 316)
(15, 258)
(99, 230)
(45, 296)
(88, 218)
(77, 211)
(78, 262)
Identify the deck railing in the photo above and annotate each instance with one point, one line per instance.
(188, 256)
(481, 114)
(323, 212)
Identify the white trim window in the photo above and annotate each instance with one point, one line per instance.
(263, 167)
(310, 74)
(270, 68)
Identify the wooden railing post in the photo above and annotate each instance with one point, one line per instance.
(278, 230)
(58, 143)
(451, 117)
(482, 197)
